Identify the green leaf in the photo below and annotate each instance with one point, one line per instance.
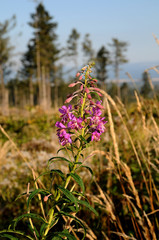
(35, 192)
(59, 172)
(43, 227)
(66, 233)
(8, 236)
(61, 149)
(2, 233)
(86, 204)
(69, 195)
(55, 159)
(78, 179)
(56, 237)
(27, 215)
(69, 209)
(75, 219)
(71, 166)
(89, 169)
(20, 195)
(82, 139)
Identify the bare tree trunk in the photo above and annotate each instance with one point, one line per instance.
(16, 96)
(55, 94)
(4, 95)
(48, 87)
(31, 94)
(117, 80)
(43, 92)
(38, 71)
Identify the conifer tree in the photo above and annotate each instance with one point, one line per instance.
(44, 43)
(102, 61)
(145, 89)
(28, 70)
(124, 92)
(118, 57)
(72, 46)
(87, 48)
(5, 55)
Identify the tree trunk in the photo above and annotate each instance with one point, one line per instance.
(55, 95)
(38, 71)
(117, 80)
(4, 95)
(43, 92)
(48, 91)
(16, 96)
(31, 94)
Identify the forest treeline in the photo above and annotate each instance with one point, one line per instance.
(41, 79)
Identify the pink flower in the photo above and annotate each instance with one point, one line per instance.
(95, 136)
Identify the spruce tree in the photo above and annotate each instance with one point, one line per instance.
(72, 46)
(5, 55)
(102, 61)
(124, 93)
(28, 72)
(46, 51)
(87, 48)
(145, 89)
(118, 57)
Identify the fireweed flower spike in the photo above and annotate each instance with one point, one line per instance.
(86, 119)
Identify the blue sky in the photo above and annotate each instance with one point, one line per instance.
(131, 21)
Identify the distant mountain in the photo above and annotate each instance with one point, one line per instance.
(135, 70)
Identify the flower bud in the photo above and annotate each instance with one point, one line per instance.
(69, 95)
(99, 106)
(99, 94)
(72, 85)
(97, 89)
(68, 100)
(81, 87)
(77, 75)
(89, 96)
(81, 101)
(87, 90)
(92, 103)
(47, 197)
(84, 68)
(94, 80)
(80, 78)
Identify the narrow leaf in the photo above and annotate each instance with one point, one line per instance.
(35, 192)
(15, 232)
(28, 215)
(69, 195)
(89, 169)
(86, 204)
(6, 235)
(55, 159)
(75, 219)
(66, 233)
(78, 179)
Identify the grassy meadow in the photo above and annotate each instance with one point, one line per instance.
(124, 187)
